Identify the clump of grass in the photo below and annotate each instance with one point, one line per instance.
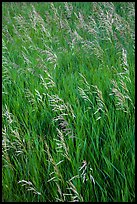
(68, 102)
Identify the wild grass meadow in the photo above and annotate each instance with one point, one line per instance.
(68, 101)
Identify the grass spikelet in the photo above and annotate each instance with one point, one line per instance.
(122, 96)
(86, 173)
(75, 196)
(90, 92)
(61, 145)
(29, 186)
(69, 9)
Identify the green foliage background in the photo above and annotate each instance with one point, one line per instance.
(68, 95)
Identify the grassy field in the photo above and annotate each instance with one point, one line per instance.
(68, 102)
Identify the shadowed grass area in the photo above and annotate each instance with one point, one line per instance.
(68, 101)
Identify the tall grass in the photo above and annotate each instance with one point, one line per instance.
(68, 102)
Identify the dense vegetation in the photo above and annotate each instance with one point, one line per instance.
(68, 101)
